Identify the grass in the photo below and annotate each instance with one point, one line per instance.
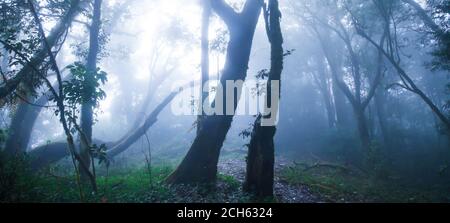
(334, 185)
(133, 186)
(122, 186)
(229, 180)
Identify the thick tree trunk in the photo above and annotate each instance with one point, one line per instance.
(15, 144)
(260, 161)
(20, 135)
(87, 108)
(261, 151)
(200, 163)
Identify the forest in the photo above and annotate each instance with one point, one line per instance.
(225, 101)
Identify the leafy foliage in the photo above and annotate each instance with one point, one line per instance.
(99, 152)
(20, 39)
(442, 52)
(262, 74)
(246, 133)
(85, 86)
(16, 179)
(219, 44)
(128, 186)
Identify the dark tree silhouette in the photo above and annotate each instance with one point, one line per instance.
(261, 151)
(200, 163)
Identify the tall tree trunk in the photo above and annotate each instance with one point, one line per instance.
(334, 60)
(359, 104)
(341, 107)
(87, 113)
(363, 130)
(325, 89)
(261, 151)
(331, 115)
(340, 102)
(205, 61)
(200, 163)
(59, 98)
(15, 144)
(380, 103)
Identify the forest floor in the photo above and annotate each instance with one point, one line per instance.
(295, 182)
(298, 182)
(284, 192)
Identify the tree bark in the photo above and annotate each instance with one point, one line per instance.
(87, 108)
(15, 144)
(200, 163)
(259, 178)
(363, 130)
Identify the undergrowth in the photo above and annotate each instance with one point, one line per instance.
(136, 185)
(338, 185)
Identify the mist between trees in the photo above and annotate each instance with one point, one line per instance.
(306, 100)
(251, 95)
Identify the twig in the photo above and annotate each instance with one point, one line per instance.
(149, 160)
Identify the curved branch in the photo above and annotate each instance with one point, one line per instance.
(225, 12)
(151, 119)
(402, 73)
(50, 153)
(56, 33)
